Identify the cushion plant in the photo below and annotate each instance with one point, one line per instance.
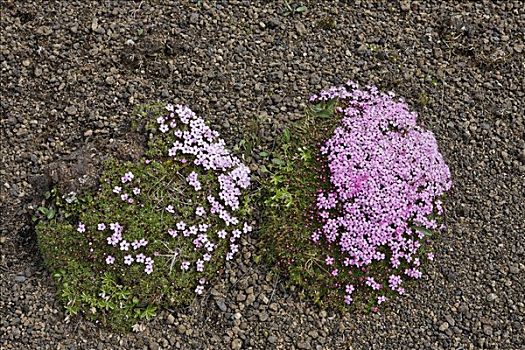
(156, 231)
(356, 193)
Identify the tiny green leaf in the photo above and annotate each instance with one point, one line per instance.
(301, 9)
(50, 213)
(286, 135)
(278, 161)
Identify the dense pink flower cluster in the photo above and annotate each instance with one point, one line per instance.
(386, 175)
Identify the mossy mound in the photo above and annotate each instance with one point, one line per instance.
(156, 231)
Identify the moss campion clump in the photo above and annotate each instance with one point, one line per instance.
(156, 231)
(358, 193)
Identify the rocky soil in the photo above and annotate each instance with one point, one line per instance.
(71, 72)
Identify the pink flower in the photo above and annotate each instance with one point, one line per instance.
(197, 243)
(140, 258)
(200, 265)
(101, 226)
(116, 227)
(430, 256)
(329, 261)
(381, 299)
(115, 238)
(185, 265)
(128, 259)
(394, 281)
(372, 283)
(170, 209)
(127, 177)
(200, 211)
(117, 189)
(193, 181)
(413, 272)
(124, 245)
(163, 128)
(110, 260)
(349, 289)
(199, 290)
(81, 227)
(136, 191)
(236, 233)
(247, 228)
(135, 244)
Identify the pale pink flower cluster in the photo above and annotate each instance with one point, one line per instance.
(126, 179)
(117, 240)
(197, 143)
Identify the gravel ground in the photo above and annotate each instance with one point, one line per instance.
(72, 71)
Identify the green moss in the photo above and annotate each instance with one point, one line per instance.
(289, 193)
(327, 23)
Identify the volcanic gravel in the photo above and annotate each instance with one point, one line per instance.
(72, 72)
